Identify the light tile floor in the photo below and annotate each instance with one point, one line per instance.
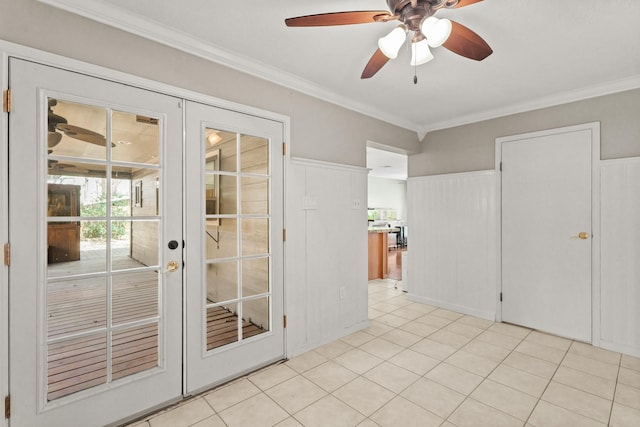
(418, 365)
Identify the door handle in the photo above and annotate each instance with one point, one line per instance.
(172, 266)
(583, 235)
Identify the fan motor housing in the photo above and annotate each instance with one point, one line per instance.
(412, 12)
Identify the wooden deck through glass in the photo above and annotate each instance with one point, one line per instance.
(79, 307)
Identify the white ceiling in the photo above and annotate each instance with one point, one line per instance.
(386, 164)
(545, 52)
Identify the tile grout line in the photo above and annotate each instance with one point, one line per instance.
(486, 378)
(548, 383)
(440, 362)
(419, 376)
(615, 389)
(461, 348)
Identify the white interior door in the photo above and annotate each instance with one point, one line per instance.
(546, 231)
(234, 248)
(95, 197)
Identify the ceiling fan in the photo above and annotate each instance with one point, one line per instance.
(57, 124)
(57, 168)
(413, 15)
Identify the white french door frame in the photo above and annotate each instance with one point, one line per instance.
(9, 49)
(4, 237)
(594, 127)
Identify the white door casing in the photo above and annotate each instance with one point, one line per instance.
(548, 188)
(32, 85)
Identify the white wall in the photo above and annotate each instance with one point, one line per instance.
(453, 231)
(325, 250)
(453, 260)
(388, 193)
(472, 147)
(620, 255)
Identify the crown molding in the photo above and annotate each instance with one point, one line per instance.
(328, 165)
(100, 11)
(606, 88)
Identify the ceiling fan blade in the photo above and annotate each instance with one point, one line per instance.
(463, 3)
(83, 134)
(340, 18)
(377, 61)
(70, 167)
(53, 138)
(466, 43)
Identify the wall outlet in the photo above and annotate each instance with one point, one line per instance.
(356, 204)
(343, 292)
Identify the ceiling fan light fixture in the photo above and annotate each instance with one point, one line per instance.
(214, 138)
(420, 53)
(437, 31)
(391, 43)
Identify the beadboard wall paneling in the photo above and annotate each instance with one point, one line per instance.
(620, 255)
(452, 250)
(326, 251)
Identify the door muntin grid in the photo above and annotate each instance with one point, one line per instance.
(237, 289)
(102, 302)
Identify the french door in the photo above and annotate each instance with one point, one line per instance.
(234, 251)
(95, 282)
(108, 319)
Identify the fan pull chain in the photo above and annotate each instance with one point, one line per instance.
(415, 66)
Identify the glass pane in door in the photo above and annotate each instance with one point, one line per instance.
(134, 350)
(222, 325)
(76, 364)
(236, 219)
(103, 225)
(256, 311)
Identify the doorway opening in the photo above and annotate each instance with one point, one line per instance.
(387, 210)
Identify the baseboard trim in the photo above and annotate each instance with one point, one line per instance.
(326, 340)
(620, 348)
(484, 314)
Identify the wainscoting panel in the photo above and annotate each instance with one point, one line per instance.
(620, 255)
(326, 253)
(452, 250)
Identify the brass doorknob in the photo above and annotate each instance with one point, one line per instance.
(172, 266)
(583, 235)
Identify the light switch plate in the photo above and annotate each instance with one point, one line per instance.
(309, 203)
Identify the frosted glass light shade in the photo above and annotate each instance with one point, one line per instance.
(437, 31)
(420, 53)
(392, 42)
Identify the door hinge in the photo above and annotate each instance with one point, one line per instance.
(500, 166)
(7, 407)
(284, 321)
(284, 149)
(500, 296)
(6, 101)
(7, 254)
(284, 235)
